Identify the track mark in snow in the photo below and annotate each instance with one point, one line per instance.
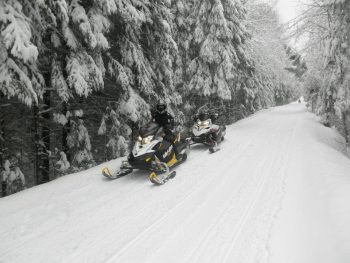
(253, 245)
(240, 213)
(198, 194)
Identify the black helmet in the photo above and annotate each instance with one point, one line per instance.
(161, 107)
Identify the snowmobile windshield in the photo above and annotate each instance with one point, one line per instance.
(149, 129)
(203, 113)
(202, 109)
(203, 116)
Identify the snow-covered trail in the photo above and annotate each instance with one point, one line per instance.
(276, 192)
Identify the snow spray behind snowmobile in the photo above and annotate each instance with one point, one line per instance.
(204, 131)
(151, 153)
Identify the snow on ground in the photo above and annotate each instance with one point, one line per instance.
(278, 191)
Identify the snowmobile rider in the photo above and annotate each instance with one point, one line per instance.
(165, 120)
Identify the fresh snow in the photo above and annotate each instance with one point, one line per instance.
(278, 191)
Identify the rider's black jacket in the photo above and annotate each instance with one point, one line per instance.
(163, 119)
(166, 121)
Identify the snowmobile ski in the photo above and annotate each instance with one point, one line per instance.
(162, 178)
(117, 174)
(214, 149)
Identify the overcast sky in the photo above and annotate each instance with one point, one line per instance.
(288, 9)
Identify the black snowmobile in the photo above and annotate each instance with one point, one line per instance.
(152, 153)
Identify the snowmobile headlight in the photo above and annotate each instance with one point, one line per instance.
(147, 139)
(203, 123)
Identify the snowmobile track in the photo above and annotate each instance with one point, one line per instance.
(203, 186)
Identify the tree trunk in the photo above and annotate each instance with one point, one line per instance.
(65, 132)
(35, 131)
(2, 142)
(46, 137)
(2, 150)
(346, 128)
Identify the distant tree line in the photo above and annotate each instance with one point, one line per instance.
(326, 26)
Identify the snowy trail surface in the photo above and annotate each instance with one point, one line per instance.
(278, 191)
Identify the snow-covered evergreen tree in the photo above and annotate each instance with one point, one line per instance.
(62, 165)
(12, 177)
(217, 46)
(117, 143)
(80, 146)
(139, 61)
(271, 83)
(328, 59)
(19, 74)
(181, 11)
(181, 30)
(162, 49)
(127, 64)
(75, 46)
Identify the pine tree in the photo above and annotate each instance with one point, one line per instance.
(79, 145)
(218, 56)
(19, 75)
(181, 34)
(271, 82)
(12, 177)
(117, 143)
